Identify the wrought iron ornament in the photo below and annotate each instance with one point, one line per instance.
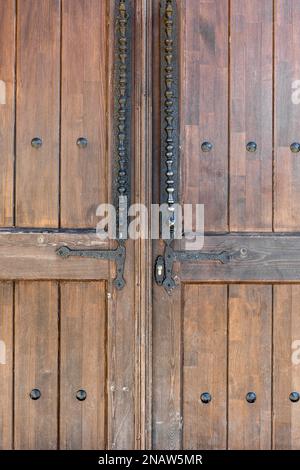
(122, 108)
(169, 111)
(169, 192)
(122, 152)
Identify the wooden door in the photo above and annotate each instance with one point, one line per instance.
(69, 338)
(226, 338)
(95, 97)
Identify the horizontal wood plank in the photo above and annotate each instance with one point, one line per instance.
(253, 257)
(33, 256)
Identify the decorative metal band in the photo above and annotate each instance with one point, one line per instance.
(122, 114)
(169, 107)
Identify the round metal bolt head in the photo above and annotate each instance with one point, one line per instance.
(295, 147)
(36, 142)
(294, 397)
(205, 397)
(82, 142)
(206, 146)
(35, 394)
(251, 146)
(81, 395)
(251, 397)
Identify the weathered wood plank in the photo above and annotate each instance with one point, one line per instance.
(38, 82)
(286, 414)
(204, 107)
(6, 365)
(249, 362)
(33, 256)
(7, 109)
(167, 357)
(204, 366)
(254, 257)
(251, 115)
(83, 365)
(287, 116)
(85, 91)
(36, 364)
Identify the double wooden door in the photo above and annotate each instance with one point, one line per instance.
(86, 87)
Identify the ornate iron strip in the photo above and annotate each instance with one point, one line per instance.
(169, 192)
(122, 144)
(169, 105)
(122, 110)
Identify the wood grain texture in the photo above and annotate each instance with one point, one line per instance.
(33, 256)
(286, 415)
(38, 77)
(253, 257)
(85, 92)
(36, 365)
(204, 366)
(204, 107)
(83, 365)
(122, 359)
(6, 365)
(249, 362)
(167, 366)
(7, 109)
(287, 115)
(251, 115)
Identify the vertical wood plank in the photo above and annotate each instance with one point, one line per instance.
(204, 366)
(121, 344)
(7, 109)
(167, 367)
(250, 339)
(6, 365)
(84, 101)
(83, 365)
(36, 352)
(204, 91)
(38, 96)
(287, 116)
(286, 373)
(251, 115)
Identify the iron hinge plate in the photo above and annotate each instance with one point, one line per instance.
(118, 255)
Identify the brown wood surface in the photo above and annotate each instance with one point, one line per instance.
(65, 54)
(85, 93)
(287, 115)
(204, 366)
(167, 367)
(203, 29)
(122, 362)
(6, 365)
(253, 257)
(36, 364)
(83, 365)
(286, 415)
(251, 115)
(38, 72)
(7, 109)
(249, 363)
(33, 256)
